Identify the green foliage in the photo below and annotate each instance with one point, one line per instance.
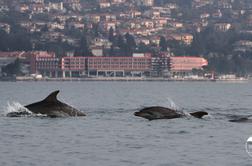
(178, 48)
(83, 49)
(142, 48)
(13, 68)
(218, 48)
(3, 41)
(96, 30)
(75, 33)
(17, 40)
(210, 40)
(12, 17)
(163, 44)
(120, 41)
(111, 35)
(126, 44)
(130, 44)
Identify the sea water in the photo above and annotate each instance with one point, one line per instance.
(110, 134)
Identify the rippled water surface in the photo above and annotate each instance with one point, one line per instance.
(110, 135)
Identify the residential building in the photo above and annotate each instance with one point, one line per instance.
(74, 5)
(5, 27)
(146, 2)
(106, 25)
(104, 4)
(37, 8)
(183, 37)
(117, 1)
(222, 26)
(22, 8)
(55, 6)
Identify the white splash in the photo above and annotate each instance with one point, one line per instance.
(15, 107)
(172, 104)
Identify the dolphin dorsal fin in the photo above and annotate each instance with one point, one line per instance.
(52, 97)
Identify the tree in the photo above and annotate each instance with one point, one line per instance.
(130, 40)
(20, 42)
(121, 44)
(163, 44)
(83, 49)
(142, 48)
(178, 48)
(13, 68)
(111, 50)
(111, 35)
(130, 45)
(120, 41)
(3, 41)
(95, 30)
(44, 28)
(17, 40)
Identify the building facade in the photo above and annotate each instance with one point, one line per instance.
(186, 64)
(139, 64)
(73, 66)
(122, 66)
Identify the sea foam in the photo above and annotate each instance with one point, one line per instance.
(14, 107)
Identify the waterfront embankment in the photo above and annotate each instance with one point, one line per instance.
(126, 79)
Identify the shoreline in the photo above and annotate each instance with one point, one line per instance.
(127, 79)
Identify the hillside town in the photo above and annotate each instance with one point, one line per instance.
(121, 38)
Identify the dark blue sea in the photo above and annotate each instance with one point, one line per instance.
(110, 134)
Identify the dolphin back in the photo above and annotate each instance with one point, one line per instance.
(52, 107)
(157, 112)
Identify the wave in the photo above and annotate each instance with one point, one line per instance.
(216, 110)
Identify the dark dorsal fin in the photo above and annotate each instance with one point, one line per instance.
(198, 114)
(52, 97)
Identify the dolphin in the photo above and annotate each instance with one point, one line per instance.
(242, 119)
(51, 107)
(157, 112)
